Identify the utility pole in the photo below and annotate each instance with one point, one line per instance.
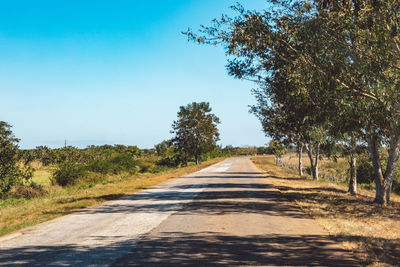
(65, 142)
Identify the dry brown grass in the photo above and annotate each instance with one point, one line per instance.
(370, 230)
(21, 213)
(339, 168)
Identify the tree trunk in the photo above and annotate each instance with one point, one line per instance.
(314, 163)
(393, 159)
(353, 174)
(300, 159)
(197, 160)
(380, 193)
(310, 156)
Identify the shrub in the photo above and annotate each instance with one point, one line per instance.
(365, 171)
(68, 173)
(27, 191)
(101, 166)
(148, 164)
(91, 178)
(396, 187)
(168, 161)
(10, 173)
(308, 170)
(123, 162)
(115, 164)
(147, 167)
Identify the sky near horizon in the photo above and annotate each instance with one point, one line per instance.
(115, 72)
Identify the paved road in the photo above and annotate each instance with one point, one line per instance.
(226, 214)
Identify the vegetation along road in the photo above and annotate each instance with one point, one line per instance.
(227, 213)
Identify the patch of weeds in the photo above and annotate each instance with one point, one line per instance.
(12, 202)
(27, 191)
(370, 186)
(82, 186)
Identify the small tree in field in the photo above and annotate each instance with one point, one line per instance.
(196, 131)
(276, 147)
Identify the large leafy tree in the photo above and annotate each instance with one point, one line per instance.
(195, 130)
(269, 49)
(10, 172)
(368, 33)
(164, 148)
(333, 58)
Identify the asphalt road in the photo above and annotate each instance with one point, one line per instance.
(226, 214)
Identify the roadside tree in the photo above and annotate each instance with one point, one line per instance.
(195, 130)
(340, 55)
(10, 173)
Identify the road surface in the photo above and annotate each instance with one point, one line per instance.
(226, 214)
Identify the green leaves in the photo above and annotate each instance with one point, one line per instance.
(10, 173)
(195, 131)
(324, 69)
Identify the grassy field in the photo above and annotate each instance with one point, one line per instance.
(42, 176)
(19, 213)
(370, 230)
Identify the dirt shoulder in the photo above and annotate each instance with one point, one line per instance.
(370, 230)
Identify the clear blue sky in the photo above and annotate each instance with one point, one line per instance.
(115, 72)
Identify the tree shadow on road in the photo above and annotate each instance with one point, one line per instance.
(225, 176)
(66, 255)
(219, 198)
(210, 248)
(183, 249)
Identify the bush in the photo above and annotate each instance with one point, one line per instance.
(396, 187)
(68, 173)
(27, 191)
(123, 162)
(71, 173)
(148, 164)
(10, 173)
(101, 166)
(91, 178)
(115, 164)
(365, 171)
(169, 161)
(308, 170)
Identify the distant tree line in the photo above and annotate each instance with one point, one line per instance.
(93, 164)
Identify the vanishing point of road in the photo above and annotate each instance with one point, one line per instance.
(226, 214)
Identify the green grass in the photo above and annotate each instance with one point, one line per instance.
(42, 176)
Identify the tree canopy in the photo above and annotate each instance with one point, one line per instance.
(10, 172)
(325, 71)
(195, 130)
